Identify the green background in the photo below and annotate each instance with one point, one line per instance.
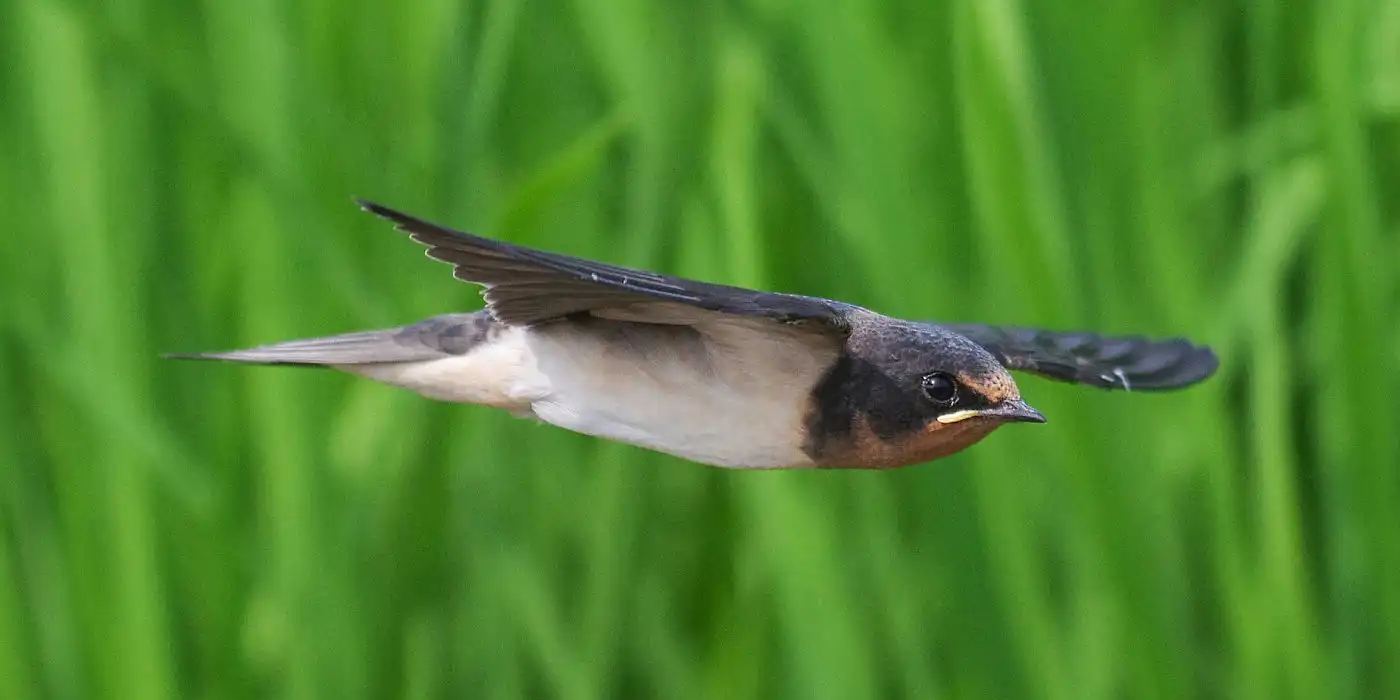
(176, 176)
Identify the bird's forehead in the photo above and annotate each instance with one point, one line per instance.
(976, 367)
(996, 384)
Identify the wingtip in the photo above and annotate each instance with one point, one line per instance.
(374, 208)
(401, 221)
(1195, 365)
(1208, 363)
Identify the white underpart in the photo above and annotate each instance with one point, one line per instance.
(735, 394)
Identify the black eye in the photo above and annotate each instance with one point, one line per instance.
(941, 388)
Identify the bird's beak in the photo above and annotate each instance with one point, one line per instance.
(1012, 410)
(1015, 410)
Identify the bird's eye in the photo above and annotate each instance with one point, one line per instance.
(941, 388)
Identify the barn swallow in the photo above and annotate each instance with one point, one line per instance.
(720, 375)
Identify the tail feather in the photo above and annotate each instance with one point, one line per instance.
(429, 339)
(349, 349)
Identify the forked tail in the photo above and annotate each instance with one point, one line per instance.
(434, 338)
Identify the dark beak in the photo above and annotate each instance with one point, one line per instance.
(1015, 410)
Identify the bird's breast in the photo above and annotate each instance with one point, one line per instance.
(865, 448)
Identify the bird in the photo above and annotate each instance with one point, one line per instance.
(716, 374)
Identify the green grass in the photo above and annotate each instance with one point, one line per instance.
(177, 177)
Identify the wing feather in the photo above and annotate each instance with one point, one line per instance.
(525, 286)
(1131, 363)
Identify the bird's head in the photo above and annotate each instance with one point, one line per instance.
(965, 382)
(906, 393)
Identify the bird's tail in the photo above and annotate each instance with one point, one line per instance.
(467, 358)
(347, 349)
(435, 338)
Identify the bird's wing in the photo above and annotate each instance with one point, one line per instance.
(525, 286)
(1131, 363)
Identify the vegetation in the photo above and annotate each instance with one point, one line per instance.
(177, 177)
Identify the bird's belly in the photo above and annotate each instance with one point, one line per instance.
(667, 389)
(694, 432)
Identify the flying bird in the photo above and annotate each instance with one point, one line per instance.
(720, 375)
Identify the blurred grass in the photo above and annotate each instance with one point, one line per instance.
(179, 174)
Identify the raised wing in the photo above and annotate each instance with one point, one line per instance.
(525, 286)
(1131, 363)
